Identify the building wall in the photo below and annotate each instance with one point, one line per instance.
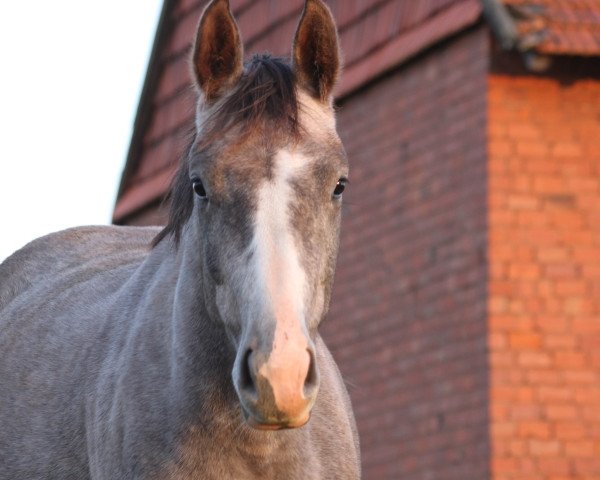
(544, 335)
(408, 318)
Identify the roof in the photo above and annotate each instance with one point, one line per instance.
(548, 27)
(376, 36)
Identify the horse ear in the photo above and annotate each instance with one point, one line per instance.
(217, 58)
(316, 51)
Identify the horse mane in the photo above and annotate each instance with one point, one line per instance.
(266, 91)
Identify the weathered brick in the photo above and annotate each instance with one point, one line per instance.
(528, 148)
(525, 341)
(534, 359)
(544, 448)
(582, 448)
(520, 201)
(567, 149)
(534, 430)
(545, 184)
(552, 254)
(548, 196)
(570, 430)
(570, 360)
(554, 466)
(561, 412)
(547, 394)
(503, 467)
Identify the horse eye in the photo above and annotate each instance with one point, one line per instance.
(339, 188)
(199, 188)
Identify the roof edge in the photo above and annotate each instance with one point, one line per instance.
(436, 29)
(150, 80)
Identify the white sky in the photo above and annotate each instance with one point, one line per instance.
(71, 72)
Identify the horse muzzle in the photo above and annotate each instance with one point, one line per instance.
(278, 388)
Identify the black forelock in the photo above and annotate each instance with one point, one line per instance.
(266, 92)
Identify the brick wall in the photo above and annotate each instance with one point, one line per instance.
(408, 324)
(544, 336)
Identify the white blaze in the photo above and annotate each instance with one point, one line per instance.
(280, 274)
(283, 282)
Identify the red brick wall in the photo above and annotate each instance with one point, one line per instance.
(544, 304)
(408, 324)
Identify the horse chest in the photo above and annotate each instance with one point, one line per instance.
(243, 458)
(240, 470)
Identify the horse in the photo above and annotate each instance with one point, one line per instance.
(193, 351)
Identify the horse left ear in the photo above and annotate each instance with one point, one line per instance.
(316, 52)
(217, 59)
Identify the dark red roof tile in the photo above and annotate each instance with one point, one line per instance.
(264, 16)
(376, 35)
(183, 34)
(277, 42)
(142, 193)
(174, 78)
(409, 43)
(169, 116)
(559, 27)
(160, 156)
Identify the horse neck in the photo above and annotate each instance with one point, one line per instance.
(198, 343)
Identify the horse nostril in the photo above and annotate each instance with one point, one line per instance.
(246, 376)
(311, 383)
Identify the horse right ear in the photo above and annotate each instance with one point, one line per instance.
(316, 50)
(217, 58)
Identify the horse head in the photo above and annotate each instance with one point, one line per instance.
(259, 197)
